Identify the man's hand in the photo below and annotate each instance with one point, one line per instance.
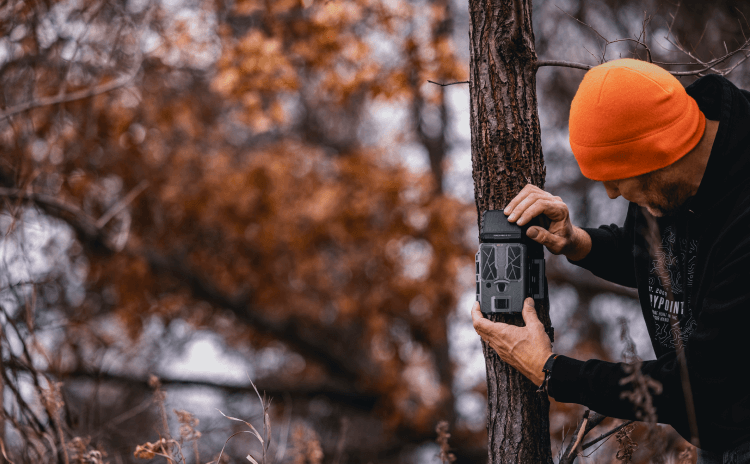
(561, 237)
(525, 348)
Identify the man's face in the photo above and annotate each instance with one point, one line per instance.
(659, 192)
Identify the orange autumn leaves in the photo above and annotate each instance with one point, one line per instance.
(253, 190)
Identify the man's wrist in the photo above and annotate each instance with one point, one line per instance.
(536, 373)
(581, 245)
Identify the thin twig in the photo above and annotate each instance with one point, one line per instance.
(700, 39)
(341, 440)
(581, 431)
(120, 205)
(746, 23)
(674, 16)
(2, 448)
(281, 447)
(637, 42)
(449, 83)
(587, 25)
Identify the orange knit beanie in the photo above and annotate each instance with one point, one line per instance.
(630, 117)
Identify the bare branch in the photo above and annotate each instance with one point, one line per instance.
(65, 98)
(82, 223)
(314, 344)
(589, 420)
(572, 451)
(709, 65)
(706, 66)
(338, 393)
(587, 283)
(563, 64)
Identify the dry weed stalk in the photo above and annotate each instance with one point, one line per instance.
(640, 395)
(41, 431)
(643, 385)
(188, 423)
(687, 456)
(162, 447)
(159, 398)
(80, 454)
(446, 457)
(306, 448)
(53, 403)
(167, 447)
(626, 445)
(264, 439)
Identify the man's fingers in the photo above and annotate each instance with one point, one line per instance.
(542, 205)
(529, 201)
(525, 192)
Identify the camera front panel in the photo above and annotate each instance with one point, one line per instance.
(501, 277)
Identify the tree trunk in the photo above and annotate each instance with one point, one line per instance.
(506, 155)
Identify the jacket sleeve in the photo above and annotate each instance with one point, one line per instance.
(600, 386)
(716, 351)
(611, 255)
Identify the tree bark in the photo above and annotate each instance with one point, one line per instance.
(506, 155)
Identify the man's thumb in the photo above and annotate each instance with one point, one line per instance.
(529, 313)
(538, 235)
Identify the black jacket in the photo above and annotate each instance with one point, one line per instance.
(692, 272)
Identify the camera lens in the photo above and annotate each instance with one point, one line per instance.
(489, 285)
(501, 286)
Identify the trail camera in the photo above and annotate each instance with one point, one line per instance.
(510, 266)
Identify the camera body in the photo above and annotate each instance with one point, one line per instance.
(509, 265)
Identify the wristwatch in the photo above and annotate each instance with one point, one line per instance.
(547, 369)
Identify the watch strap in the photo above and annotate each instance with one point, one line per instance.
(547, 369)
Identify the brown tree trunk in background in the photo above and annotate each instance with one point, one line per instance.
(2, 404)
(506, 154)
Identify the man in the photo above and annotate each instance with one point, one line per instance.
(682, 159)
